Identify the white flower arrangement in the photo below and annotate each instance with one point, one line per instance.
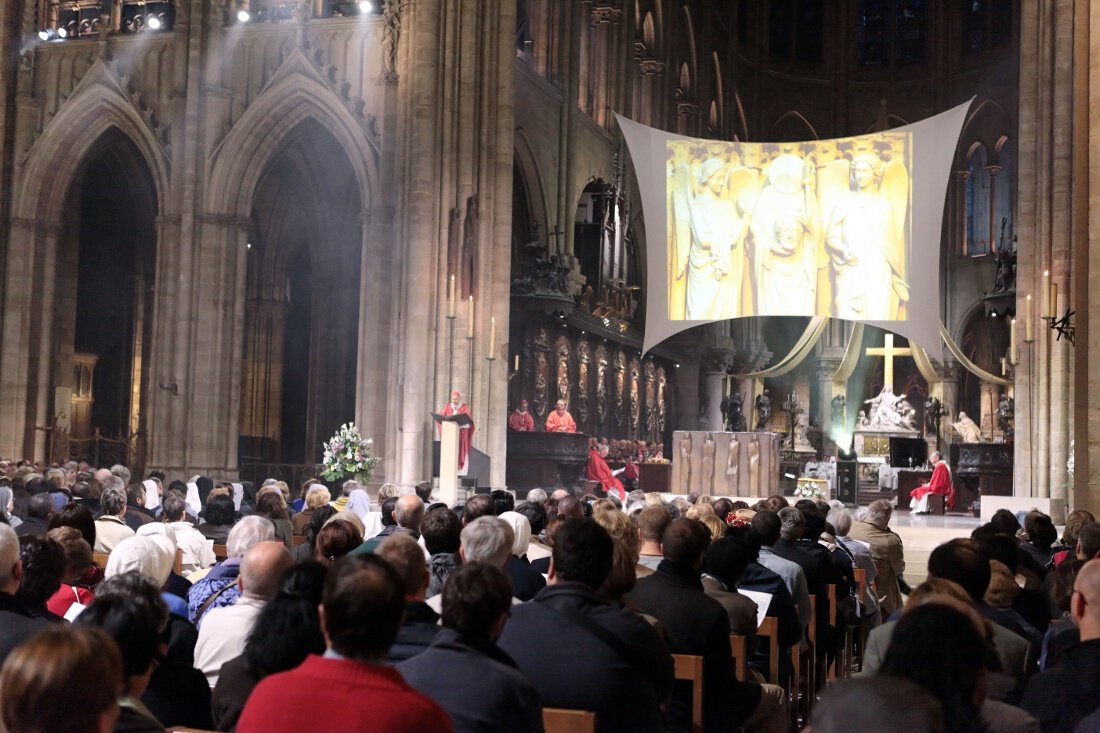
(348, 454)
(815, 492)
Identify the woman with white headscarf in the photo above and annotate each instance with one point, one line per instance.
(359, 505)
(526, 581)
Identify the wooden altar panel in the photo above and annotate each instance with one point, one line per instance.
(725, 464)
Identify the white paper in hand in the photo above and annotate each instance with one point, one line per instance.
(193, 502)
(762, 601)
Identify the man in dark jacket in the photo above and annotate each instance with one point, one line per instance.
(697, 624)
(37, 521)
(476, 601)
(16, 623)
(421, 623)
(1062, 695)
(582, 652)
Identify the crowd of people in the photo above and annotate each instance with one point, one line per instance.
(397, 613)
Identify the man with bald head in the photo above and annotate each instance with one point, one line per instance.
(1063, 694)
(407, 513)
(224, 630)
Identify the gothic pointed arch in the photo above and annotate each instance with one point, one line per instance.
(531, 179)
(98, 104)
(297, 92)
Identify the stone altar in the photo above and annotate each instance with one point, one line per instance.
(725, 464)
(545, 460)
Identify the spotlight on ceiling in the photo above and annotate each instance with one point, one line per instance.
(153, 23)
(243, 16)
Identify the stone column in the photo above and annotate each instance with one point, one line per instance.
(716, 368)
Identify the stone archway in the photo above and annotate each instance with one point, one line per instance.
(302, 311)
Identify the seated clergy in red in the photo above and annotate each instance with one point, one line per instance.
(940, 484)
(521, 420)
(560, 421)
(598, 470)
(465, 432)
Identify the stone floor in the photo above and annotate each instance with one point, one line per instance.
(920, 534)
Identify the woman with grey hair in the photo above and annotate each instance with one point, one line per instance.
(7, 503)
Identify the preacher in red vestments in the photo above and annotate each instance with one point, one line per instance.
(598, 470)
(521, 420)
(465, 432)
(560, 421)
(939, 484)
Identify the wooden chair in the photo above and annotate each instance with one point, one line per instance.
(100, 559)
(859, 638)
(299, 539)
(769, 629)
(221, 551)
(560, 720)
(178, 565)
(739, 647)
(690, 667)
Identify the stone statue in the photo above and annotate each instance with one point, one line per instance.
(839, 411)
(861, 420)
(732, 465)
(685, 460)
(968, 430)
(754, 466)
(1006, 413)
(800, 440)
(763, 410)
(890, 412)
(708, 463)
(933, 413)
(735, 420)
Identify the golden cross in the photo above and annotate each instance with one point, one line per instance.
(889, 352)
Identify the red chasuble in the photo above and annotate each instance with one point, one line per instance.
(598, 470)
(939, 484)
(465, 435)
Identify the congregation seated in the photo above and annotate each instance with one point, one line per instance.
(218, 519)
(37, 518)
(349, 687)
(477, 599)
(625, 671)
(886, 550)
(43, 562)
(110, 529)
(317, 496)
(341, 535)
(407, 513)
(767, 527)
(1062, 632)
(420, 623)
(78, 561)
(526, 581)
(287, 630)
(136, 513)
(197, 551)
(652, 522)
(224, 630)
(877, 704)
(271, 503)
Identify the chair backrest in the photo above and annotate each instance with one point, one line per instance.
(812, 628)
(299, 539)
(100, 559)
(178, 565)
(221, 551)
(560, 720)
(769, 629)
(832, 603)
(690, 667)
(739, 646)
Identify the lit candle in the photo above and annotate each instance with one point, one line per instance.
(1046, 295)
(1054, 300)
(1012, 343)
(470, 320)
(517, 364)
(492, 336)
(1004, 367)
(1028, 335)
(451, 298)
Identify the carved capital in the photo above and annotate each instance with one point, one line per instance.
(651, 67)
(718, 362)
(685, 108)
(606, 14)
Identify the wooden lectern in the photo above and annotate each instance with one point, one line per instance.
(448, 454)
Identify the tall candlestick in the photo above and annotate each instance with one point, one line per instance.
(517, 364)
(492, 336)
(1045, 295)
(1054, 300)
(1028, 335)
(451, 298)
(1012, 342)
(470, 320)
(1004, 367)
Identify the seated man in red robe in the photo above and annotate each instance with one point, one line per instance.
(521, 420)
(939, 484)
(465, 432)
(598, 470)
(560, 421)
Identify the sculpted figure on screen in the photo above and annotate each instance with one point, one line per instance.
(781, 228)
(866, 243)
(706, 242)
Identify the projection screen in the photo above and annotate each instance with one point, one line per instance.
(846, 228)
